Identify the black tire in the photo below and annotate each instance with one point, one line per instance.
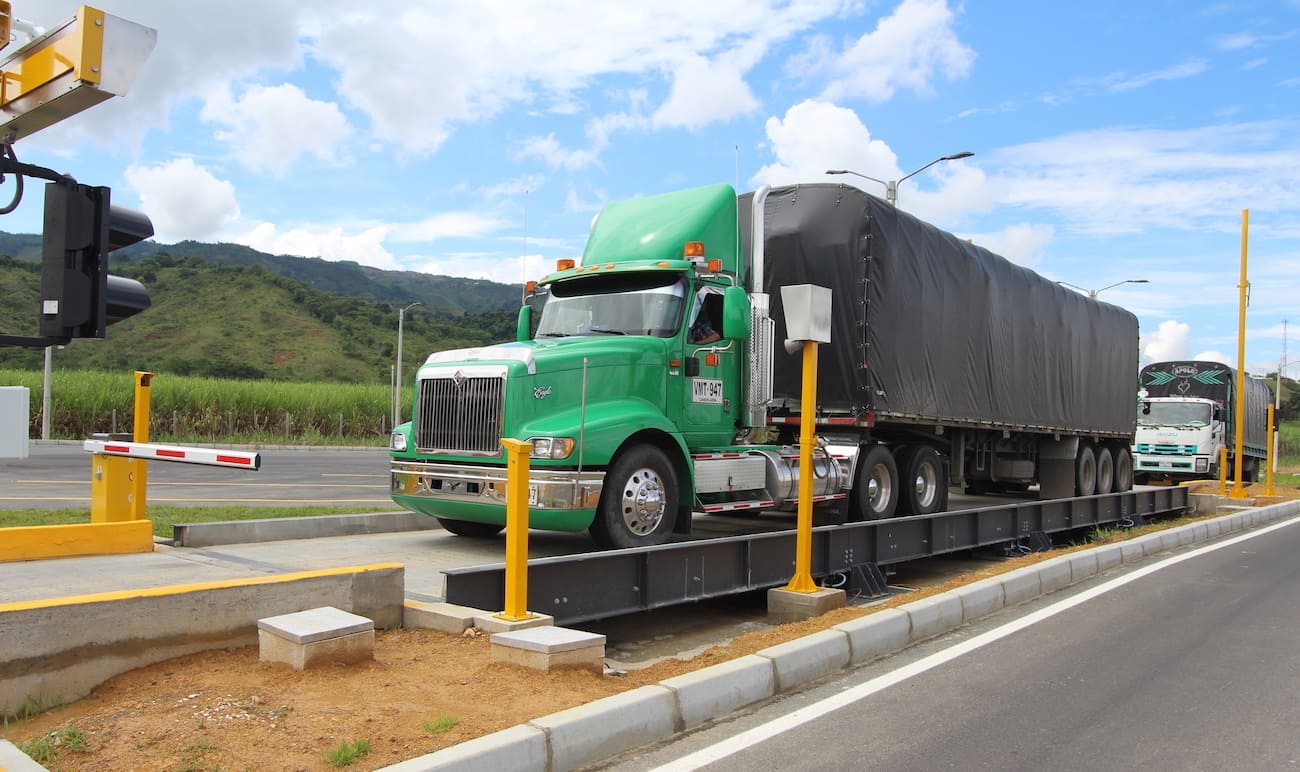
(923, 484)
(875, 491)
(1123, 470)
(1105, 469)
(1085, 471)
(639, 503)
(470, 528)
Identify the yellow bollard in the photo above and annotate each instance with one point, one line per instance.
(802, 580)
(140, 433)
(1223, 471)
(516, 602)
(1268, 460)
(118, 485)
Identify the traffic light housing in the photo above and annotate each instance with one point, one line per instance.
(79, 299)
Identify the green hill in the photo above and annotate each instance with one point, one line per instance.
(221, 317)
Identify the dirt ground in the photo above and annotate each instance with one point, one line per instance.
(225, 710)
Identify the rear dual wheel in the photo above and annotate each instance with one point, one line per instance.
(924, 488)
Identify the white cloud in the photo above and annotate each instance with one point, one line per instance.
(704, 92)
(271, 127)
(1022, 243)
(183, 199)
(1168, 342)
(1125, 82)
(449, 225)
(909, 49)
(548, 150)
(1215, 356)
(330, 243)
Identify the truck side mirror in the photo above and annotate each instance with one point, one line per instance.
(1146, 408)
(1218, 412)
(735, 314)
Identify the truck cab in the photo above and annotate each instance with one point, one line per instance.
(1178, 438)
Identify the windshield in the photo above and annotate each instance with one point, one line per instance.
(1173, 414)
(626, 304)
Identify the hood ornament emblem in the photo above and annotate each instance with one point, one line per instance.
(458, 378)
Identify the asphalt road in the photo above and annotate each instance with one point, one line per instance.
(57, 476)
(1192, 666)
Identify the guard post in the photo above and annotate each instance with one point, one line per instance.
(516, 601)
(1223, 471)
(1268, 462)
(807, 322)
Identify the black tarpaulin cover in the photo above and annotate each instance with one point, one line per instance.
(927, 326)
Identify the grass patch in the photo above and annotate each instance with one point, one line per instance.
(46, 750)
(440, 724)
(164, 517)
(31, 706)
(348, 753)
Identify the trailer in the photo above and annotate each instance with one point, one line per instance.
(653, 383)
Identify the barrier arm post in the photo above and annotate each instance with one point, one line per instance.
(516, 601)
(140, 433)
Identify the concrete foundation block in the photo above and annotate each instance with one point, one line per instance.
(593, 732)
(490, 623)
(721, 689)
(934, 615)
(979, 599)
(549, 648)
(785, 606)
(315, 636)
(442, 617)
(809, 658)
(876, 635)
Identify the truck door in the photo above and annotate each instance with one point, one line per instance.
(709, 373)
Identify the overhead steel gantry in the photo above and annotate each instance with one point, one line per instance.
(595, 585)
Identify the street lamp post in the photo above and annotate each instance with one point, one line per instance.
(397, 378)
(891, 186)
(1092, 293)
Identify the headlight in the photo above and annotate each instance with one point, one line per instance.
(397, 442)
(1202, 464)
(551, 447)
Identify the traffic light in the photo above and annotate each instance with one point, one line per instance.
(79, 298)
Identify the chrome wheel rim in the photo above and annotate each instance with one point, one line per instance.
(643, 501)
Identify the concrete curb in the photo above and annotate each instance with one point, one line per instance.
(284, 528)
(597, 731)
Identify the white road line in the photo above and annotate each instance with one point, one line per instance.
(758, 734)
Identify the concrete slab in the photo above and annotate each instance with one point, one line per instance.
(595, 731)
(549, 648)
(490, 623)
(442, 617)
(809, 658)
(721, 689)
(315, 624)
(285, 528)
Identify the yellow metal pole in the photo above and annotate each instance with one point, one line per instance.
(1223, 471)
(140, 433)
(1268, 469)
(1239, 490)
(516, 602)
(802, 580)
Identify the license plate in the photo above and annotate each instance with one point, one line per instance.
(532, 495)
(1166, 464)
(706, 391)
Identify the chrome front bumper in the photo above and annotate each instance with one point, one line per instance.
(561, 489)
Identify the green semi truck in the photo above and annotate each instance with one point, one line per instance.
(652, 382)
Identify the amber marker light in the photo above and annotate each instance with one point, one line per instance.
(715, 265)
(530, 286)
(711, 359)
(693, 249)
(564, 264)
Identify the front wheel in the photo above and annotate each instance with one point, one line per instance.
(470, 528)
(639, 500)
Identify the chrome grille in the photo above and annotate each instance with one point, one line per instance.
(460, 414)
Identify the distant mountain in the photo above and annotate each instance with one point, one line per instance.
(224, 310)
(342, 277)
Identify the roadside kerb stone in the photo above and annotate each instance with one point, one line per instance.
(1131, 550)
(1109, 557)
(808, 658)
(598, 730)
(979, 599)
(877, 634)
(1053, 574)
(1170, 539)
(722, 689)
(1083, 564)
(1152, 544)
(1020, 585)
(521, 747)
(934, 615)
(283, 528)
(14, 760)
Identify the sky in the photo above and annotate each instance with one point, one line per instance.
(1113, 141)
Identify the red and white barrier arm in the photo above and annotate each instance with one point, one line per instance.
(147, 450)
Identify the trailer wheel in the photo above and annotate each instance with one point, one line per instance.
(1123, 470)
(470, 528)
(1105, 469)
(875, 495)
(639, 499)
(1085, 471)
(923, 487)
